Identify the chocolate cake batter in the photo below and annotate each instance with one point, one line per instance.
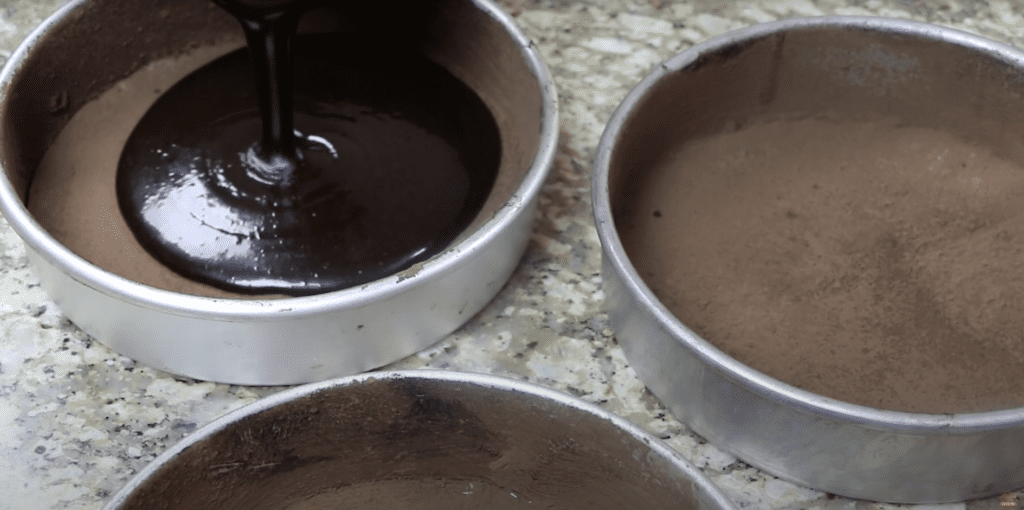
(874, 263)
(378, 162)
(72, 192)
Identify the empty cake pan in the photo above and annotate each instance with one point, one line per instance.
(423, 439)
(88, 47)
(806, 87)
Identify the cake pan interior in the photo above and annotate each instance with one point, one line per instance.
(834, 71)
(427, 439)
(61, 73)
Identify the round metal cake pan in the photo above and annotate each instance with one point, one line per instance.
(897, 68)
(88, 46)
(431, 439)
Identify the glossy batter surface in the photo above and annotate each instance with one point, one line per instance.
(396, 157)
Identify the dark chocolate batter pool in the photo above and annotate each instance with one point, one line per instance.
(388, 159)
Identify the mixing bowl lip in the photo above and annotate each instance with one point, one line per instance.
(458, 379)
(228, 309)
(743, 375)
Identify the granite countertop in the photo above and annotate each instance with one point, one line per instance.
(77, 420)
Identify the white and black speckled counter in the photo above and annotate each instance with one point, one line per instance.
(78, 420)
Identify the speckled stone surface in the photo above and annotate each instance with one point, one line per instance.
(78, 420)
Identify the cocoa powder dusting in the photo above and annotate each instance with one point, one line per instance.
(426, 494)
(72, 194)
(874, 263)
